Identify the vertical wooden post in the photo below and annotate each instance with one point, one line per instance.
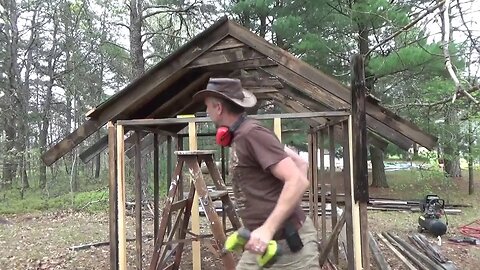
(314, 177)
(357, 240)
(310, 175)
(169, 173)
(333, 183)
(156, 185)
(196, 256)
(122, 237)
(323, 186)
(112, 192)
(360, 172)
(138, 201)
(348, 196)
(277, 127)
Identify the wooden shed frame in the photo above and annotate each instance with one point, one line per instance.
(228, 49)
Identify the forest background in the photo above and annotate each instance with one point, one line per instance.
(61, 58)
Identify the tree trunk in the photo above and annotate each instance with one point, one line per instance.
(45, 119)
(470, 158)
(9, 165)
(379, 179)
(138, 61)
(136, 50)
(451, 140)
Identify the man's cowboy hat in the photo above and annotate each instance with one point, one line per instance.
(226, 88)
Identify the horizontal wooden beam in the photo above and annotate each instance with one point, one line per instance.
(94, 150)
(225, 56)
(244, 64)
(168, 121)
(227, 43)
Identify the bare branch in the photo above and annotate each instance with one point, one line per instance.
(124, 25)
(448, 62)
(437, 103)
(167, 9)
(474, 42)
(406, 27)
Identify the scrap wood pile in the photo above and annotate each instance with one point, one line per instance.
(381, 204)
(417, 253)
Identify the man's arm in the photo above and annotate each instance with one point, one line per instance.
(295, 185)
(299, 161)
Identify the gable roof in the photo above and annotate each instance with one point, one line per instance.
(227, 49)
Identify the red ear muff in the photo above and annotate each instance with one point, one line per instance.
(224, 136)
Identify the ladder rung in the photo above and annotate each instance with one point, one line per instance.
(217, 194)
(178, 205)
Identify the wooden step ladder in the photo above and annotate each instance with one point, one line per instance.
(165, 248)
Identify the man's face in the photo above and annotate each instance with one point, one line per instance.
(214, 109)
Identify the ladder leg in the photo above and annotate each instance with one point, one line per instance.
(165, 216)
(184, 227)
(211, 214)
(229, 208)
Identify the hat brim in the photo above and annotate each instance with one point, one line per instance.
(248, 101)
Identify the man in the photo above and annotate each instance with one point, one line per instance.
(267, 182)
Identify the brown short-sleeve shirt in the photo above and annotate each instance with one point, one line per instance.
(254, 150)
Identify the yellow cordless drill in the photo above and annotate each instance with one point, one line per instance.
(238, 240)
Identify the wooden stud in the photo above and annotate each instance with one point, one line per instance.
(323, 184)
(195, 216)
(138, 202)
(348, 197)
(156, 185)
(277, 128)
(310, 175)
(112, 192)
(122, 240)
(333, 189)
(330, 243)
(357, 244)
(169, 171)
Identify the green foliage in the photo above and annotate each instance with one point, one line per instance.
(36, 200)
(379, 13)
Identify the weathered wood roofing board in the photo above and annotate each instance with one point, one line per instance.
(166, 89)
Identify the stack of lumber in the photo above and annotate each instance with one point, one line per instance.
(421, 254)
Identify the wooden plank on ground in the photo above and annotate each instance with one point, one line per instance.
(377, 253)
(399, 255)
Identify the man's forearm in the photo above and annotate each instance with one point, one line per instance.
(290, 196)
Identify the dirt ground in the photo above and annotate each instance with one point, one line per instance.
(42, 240)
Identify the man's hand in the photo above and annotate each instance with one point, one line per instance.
(259, 239)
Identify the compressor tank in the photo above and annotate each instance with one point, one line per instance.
(433, 225)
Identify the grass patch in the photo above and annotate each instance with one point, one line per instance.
(11, 201)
